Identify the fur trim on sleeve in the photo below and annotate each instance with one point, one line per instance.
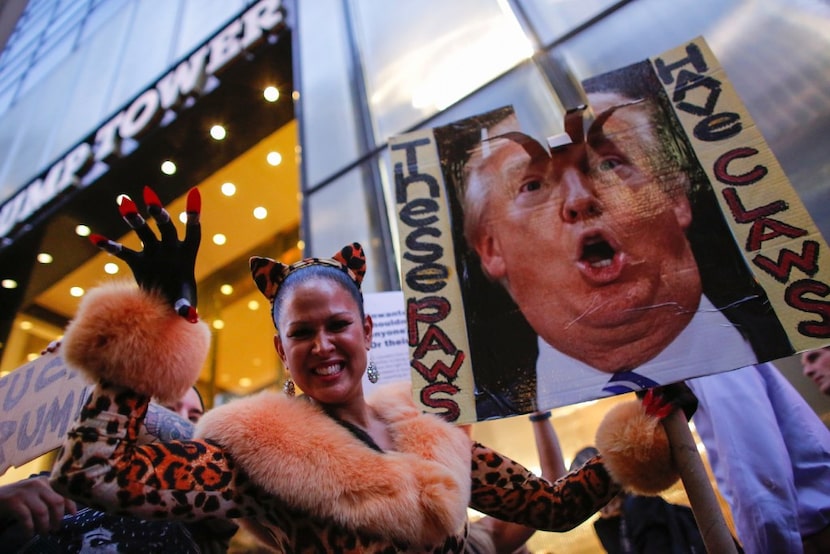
(635, 449)
(417, 494)
(133, 338)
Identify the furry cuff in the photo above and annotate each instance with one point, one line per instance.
(636, 450)
(133, 338)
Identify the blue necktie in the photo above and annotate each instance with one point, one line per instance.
(628, 381)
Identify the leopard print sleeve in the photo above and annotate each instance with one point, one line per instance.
(505, 489)
(102, 466)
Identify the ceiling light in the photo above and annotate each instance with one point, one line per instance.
(45, 258)
(8, 284)
(226, 289)
(168, 167)
(183, 217)
(111, 268)
(300, 245)
(31, 357)
(218, 324)
(260, 212)
(253, 305)
(219, 239)
(218, 132)
(274, 158)
(26, 325)
(228, 189)
(272, 94)
(77, 292)
(245, 382)
(82, 231)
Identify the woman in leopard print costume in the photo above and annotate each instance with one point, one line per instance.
(327, 471)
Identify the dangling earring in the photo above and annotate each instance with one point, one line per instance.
(288, 387)
(372, 372)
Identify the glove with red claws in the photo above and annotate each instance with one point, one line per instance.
(129, 336)
(166, 264)
(634, 445)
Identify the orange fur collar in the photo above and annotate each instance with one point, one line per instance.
(417, 494)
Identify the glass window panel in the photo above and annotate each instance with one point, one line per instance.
(327, 98)
(775, 53)
(553, 18)
(100, 14)
(422, 56)
(330, 230)
(150, 31)
(91, 100)
(68, 16)
(49, 61)
(202, 19)
(29, 126)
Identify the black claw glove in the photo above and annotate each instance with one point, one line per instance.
(663, 400)
(166, 265)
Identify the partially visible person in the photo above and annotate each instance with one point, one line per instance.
(491, 535)
(34, 518)
(770, 454)
(816, 364)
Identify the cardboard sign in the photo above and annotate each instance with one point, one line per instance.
(652, 239)
(39, 401)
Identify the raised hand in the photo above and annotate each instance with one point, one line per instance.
(166, 264)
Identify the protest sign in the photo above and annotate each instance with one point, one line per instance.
(39, 402)
(654, 240)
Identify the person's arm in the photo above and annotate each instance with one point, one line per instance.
(508, 491)
(507, 536)
(30, 507)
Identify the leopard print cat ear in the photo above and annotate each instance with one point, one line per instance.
(269, 274)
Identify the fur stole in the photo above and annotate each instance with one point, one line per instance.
(417, 493)
(131, 337)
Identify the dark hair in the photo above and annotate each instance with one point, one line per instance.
(310, 273)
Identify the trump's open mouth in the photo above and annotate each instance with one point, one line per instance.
(600, 260)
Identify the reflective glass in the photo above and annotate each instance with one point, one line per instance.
(144, 51)
(202, 19)
(327, 100)
(421, 56)
(776, 54)
(553, 18)
(339, 216)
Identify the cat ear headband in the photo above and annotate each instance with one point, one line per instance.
(269, 274)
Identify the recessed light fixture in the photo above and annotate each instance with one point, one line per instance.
(82, 230)
(168, 167)
(8, 284)
(183, 217)
(45, 258)
(26, 325)
(300, 245)
(218, 324)
(245, 382)
(274, 158)
(272, 94)
(253, 305)
(219, 239)
(260, 212)
(111, 268)
(77, 292)
(217, 132)
(228, 189)
(226, 289)
(32, 356)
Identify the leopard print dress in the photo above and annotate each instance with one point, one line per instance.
(102, 465)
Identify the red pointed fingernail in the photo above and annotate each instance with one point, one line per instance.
(192, 315)
(98, 240)
(127, 207)
(194, 201)
(151, 198)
